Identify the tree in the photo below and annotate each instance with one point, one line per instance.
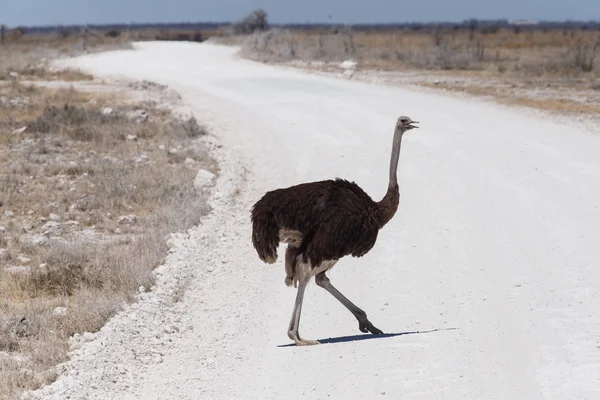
(255, 21)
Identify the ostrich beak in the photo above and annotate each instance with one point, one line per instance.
(410, 125)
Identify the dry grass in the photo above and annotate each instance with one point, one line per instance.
(506, 96)
(530, 53)
(28, 55)
(87, 196)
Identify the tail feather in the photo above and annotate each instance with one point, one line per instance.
(265, 233)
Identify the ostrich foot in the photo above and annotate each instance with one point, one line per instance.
(301, 342)
(368, 327)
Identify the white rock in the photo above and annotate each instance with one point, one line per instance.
(131, 137)
(37, 240)
(107, 111)
(2, 229)
(8, 214)
(43, 266)
(189, 161)
(142, 289)
(348, 64)
(23, 260)
(19, 131)
(60, 311)
(88, 336)
(204, 179)
(161, 147)
(30, 212)
(13, 75)
(50, 226)
(54, 217)
(127, 219)
(139, 115)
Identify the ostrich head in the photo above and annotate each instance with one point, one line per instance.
(405, 124)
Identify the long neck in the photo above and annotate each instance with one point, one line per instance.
(389, 204)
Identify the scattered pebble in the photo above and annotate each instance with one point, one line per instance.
(127, 219)
(23, 259)
(60, 311)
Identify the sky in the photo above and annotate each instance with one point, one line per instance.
(70, 12)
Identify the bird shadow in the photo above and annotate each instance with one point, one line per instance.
(368, 336)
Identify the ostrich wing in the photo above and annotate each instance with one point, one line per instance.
(347, 225)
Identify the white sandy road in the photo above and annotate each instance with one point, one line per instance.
(487, 279)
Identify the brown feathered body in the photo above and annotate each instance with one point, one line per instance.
(321, 222)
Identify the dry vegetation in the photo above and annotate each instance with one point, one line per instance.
(531, 53)
(90, 185)
(501, 62)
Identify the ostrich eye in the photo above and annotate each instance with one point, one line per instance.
(404, 121)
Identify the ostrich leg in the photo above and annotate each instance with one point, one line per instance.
(363, 323)
(295, 321)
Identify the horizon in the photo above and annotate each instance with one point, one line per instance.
(40, 13)
(225, 23)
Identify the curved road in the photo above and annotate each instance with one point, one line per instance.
(487, 279)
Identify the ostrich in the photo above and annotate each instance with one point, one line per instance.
(322, 222)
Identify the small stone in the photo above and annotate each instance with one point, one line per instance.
(54, 217)
(60, 311)
(131, 137)
(19, 131)
(204, 179)
(348, 65)
(142, 289)
(161, 147)
(2, 229)
(43, 266)
(107, 111)
(140, 115)
(30, 212)
(50, 227)
(88, 336)
(189, 161)
(23, 260)
(37, 240)
(127, 219)
(8, 214)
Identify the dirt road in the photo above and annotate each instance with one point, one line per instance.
(487, 280)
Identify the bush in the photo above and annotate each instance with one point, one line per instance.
(113, 33)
